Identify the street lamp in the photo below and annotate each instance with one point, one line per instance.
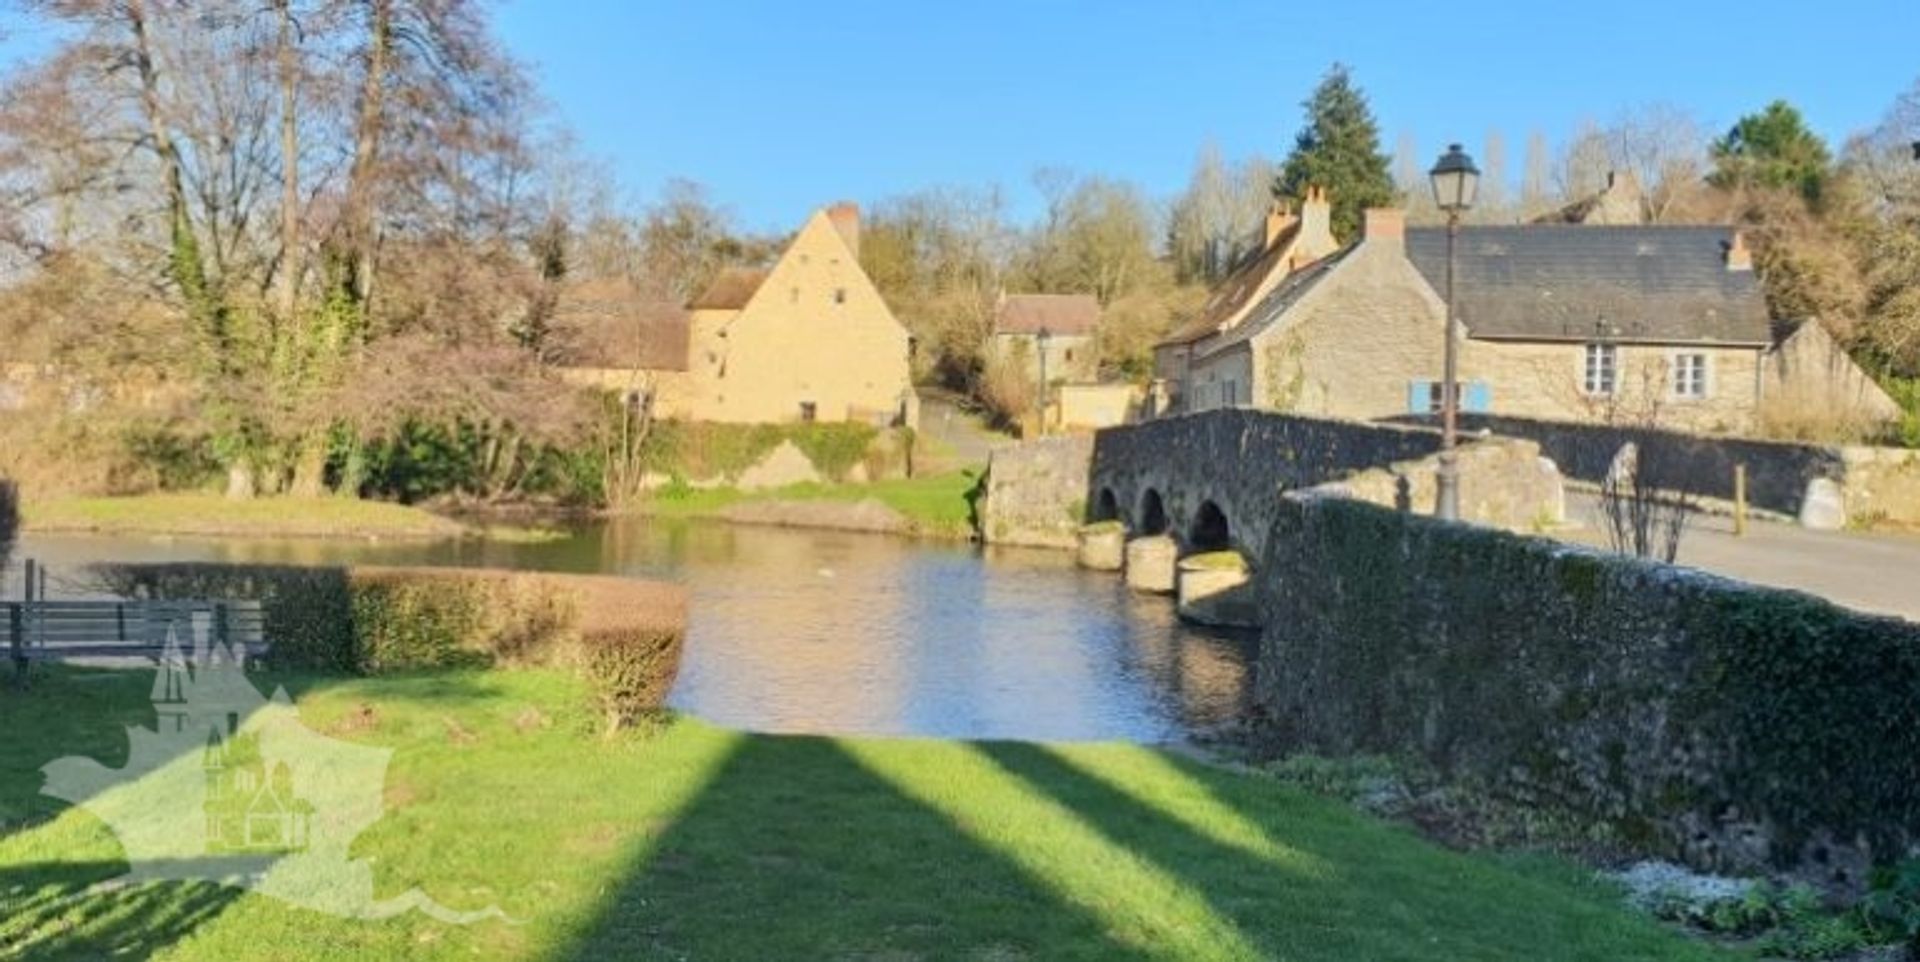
(1042, 338)
(1455, 181)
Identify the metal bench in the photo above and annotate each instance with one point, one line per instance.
(34, 630)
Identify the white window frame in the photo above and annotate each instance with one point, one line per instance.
(1678, 386)
(1600, 369)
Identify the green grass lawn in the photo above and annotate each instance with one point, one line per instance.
(691, 842)
(936, 504)
(213, 515)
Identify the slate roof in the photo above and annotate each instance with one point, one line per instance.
(730, 290)
(1066, 315)
(1273, 308)
(616, 325)
(1233, 293)
(1657, 284)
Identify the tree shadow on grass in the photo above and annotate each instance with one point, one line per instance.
(58, 897)
(47, 911)
(795, 850)
(1306, 879)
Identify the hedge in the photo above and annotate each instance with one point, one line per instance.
(1726, 724)
(711, 450)
(623, 635)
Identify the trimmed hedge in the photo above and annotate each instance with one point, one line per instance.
(707, 450)
(1733, 726)
(623, 635)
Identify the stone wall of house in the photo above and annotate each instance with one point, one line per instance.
(1547, 380)
(1731, 726)
(1881, 486)
(1810, 382)
(1036, 492)
(1358, 340)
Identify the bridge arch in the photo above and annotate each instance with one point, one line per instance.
(1153, 513)
(1210, 530)
(1106, 507)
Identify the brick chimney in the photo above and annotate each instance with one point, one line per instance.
(1279, 218)
(1385, 225)
(1316, 227)
(845, 216)
(1739, 255)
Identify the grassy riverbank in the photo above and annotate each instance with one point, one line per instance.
(210, 515)
(932, 506)
(695, 842)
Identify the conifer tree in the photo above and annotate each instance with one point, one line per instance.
(1339, 149)
(1773, 148)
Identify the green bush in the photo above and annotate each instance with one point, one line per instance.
(629, 671)
(833, 448)
(387, 619)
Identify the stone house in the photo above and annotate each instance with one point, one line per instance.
(1070, 321)
(1641, 323)
(1619, 204)
(807, 339)
(1188, 375)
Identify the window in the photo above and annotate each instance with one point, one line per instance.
(1069, 355)
(1690, 376)
(808, 411)
(1602, 363)
(839, 295)
(1428, 397)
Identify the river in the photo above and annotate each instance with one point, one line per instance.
(838, 633)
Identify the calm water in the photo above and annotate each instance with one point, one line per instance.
(830, 632)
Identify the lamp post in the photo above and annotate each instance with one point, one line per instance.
(1042, 338)
(1455, 181)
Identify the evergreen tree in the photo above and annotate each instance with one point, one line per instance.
(1339, 149)
(1772, 148)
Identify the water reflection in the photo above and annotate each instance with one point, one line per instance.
(830, 632)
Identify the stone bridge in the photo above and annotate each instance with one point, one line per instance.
(1213, 480)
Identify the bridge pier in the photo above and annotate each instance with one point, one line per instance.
(1216, 589)
(1151, 564)
(1103, 546)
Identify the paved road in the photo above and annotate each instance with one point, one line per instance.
(1870, 572)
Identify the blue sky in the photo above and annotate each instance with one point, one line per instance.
(781, 106)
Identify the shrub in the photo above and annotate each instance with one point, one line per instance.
(623, 635)
(833, 448)
(629, 671)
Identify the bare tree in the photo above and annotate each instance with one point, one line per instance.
(1647, 502)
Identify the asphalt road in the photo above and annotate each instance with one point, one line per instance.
(1869, 572)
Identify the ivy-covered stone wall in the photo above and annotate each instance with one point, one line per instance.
(1721, 723)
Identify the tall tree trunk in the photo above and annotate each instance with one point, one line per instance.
(361, 177)
(290, 260)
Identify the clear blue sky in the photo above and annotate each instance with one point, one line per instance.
(781, 106)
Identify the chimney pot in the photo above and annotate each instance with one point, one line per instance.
(845, 216)
(1316, 227)
(1385, 224)
(1279, 218)
(1739, 255)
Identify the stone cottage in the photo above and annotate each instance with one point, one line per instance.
(1645, 323)
(1070, 322)
(808, 339)
(1183, 378)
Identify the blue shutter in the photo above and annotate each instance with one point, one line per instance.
(1418, 393)
(1479, 397)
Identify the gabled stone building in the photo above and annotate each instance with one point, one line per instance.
(808, 339)
(1189, 374)
(1070, 322)
(1640, 323)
